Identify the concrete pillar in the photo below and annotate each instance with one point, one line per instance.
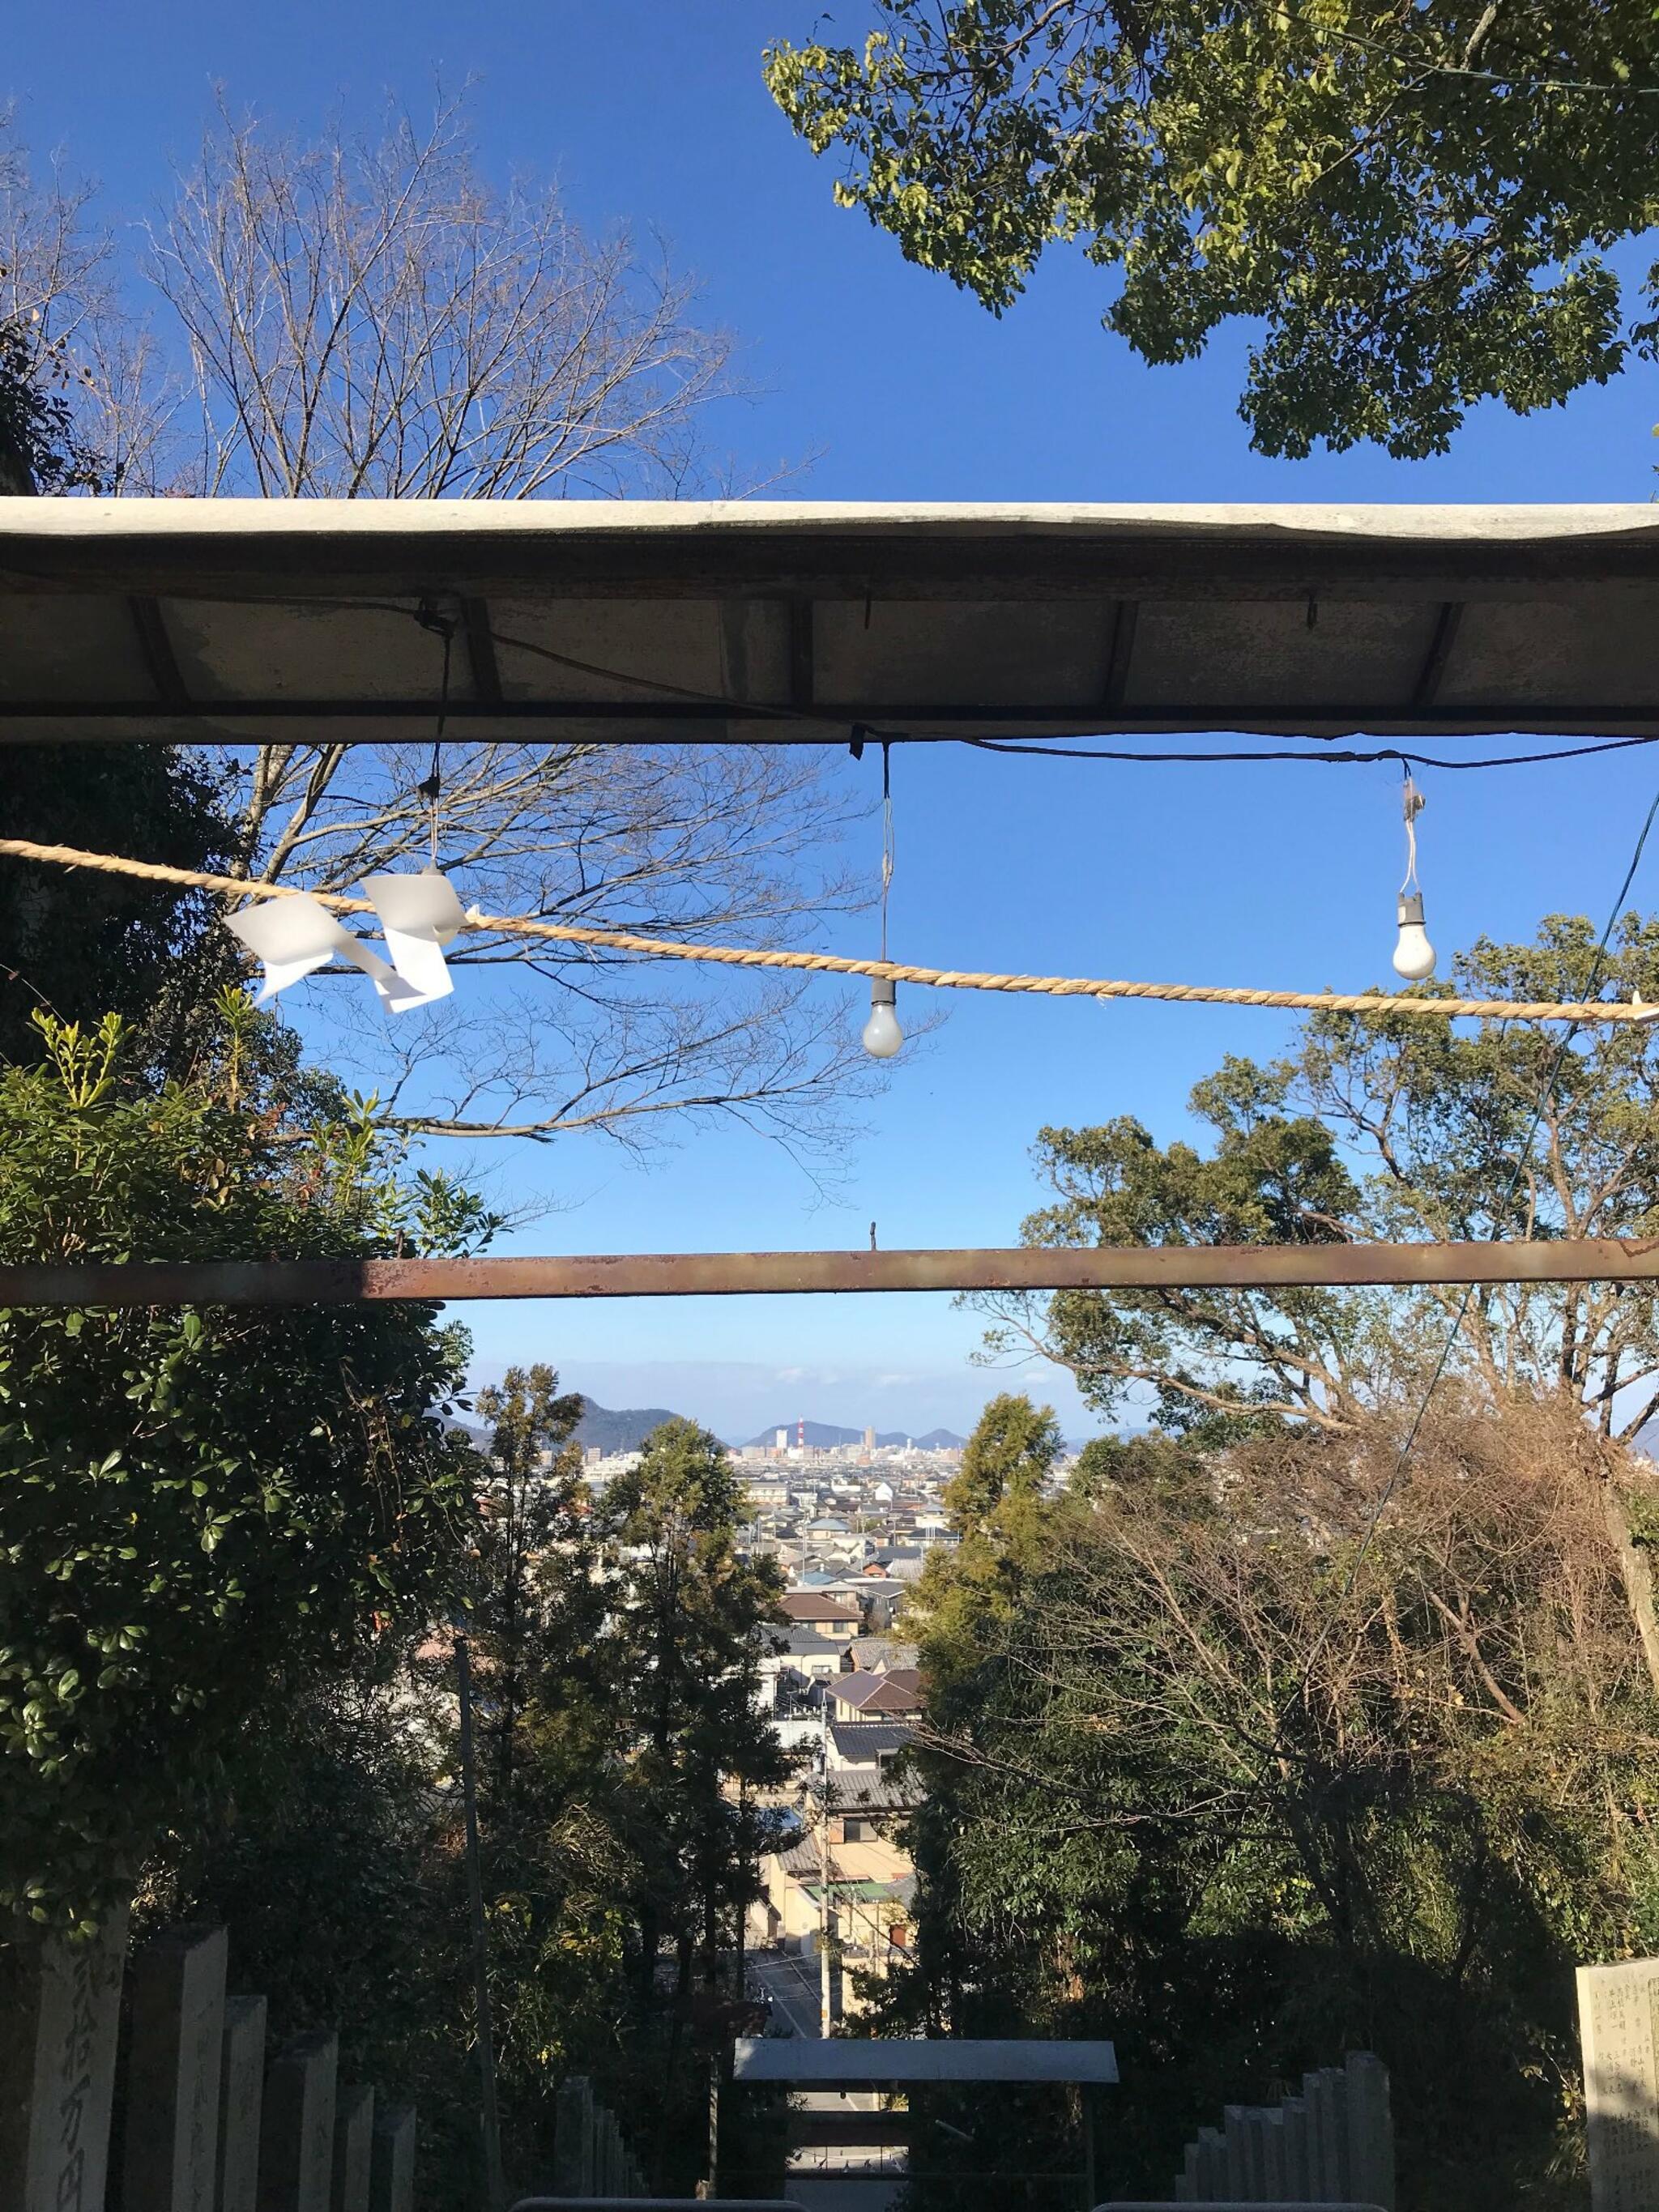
(296, 2134)
(241, 2098)
(1369, 2130)
(1186, 2188)
(175, 2058)
(1297, 2190)
(391, 2160)
(60, 2007)
(354, 2129)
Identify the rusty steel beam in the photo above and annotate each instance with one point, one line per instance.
(739, 1274)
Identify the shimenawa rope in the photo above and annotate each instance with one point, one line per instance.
(830, 964)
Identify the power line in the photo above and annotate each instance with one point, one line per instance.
(1046, 749)
(1346, 757)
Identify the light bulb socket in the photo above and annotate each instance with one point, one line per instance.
(1411, 909)
(884, 991)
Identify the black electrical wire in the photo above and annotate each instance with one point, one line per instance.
(1347, 756)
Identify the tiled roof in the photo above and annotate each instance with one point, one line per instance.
(875, 1693)
(862, 1743)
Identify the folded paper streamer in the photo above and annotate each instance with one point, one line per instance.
(419, 914)
(295, 936)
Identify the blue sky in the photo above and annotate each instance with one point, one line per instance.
(894, 386)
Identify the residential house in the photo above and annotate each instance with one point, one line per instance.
(860, 1697)
(831, 1613)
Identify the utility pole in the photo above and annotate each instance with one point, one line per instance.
(826, 1909)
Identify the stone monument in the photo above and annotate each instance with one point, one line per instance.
(1619, 2034)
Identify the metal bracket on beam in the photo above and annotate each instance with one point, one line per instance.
(1433, 670)
(160, 662)
(481, 652)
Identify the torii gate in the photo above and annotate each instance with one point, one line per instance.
(640, 622)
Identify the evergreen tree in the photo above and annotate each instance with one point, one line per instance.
(691, 1613)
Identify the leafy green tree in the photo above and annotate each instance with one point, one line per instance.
(558, 1816)
(532, 1500)
(331, 1862)
(1241, 1793)
(1420, 205)
(996, 1504)
(690, 1615)
(78, 944)
(199, 1508)
(1381, 1127)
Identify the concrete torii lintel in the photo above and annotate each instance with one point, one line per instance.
(851, 2063)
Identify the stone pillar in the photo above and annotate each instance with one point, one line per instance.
(1236, 2134)
(296, 2133)
(1186, 2188)
(60, 2008)
(1297, 2189)
(1328, 2136)
(1618, 2007)
(241, 2097)
(572, 2165)
(1370, 2132)
(391, 2160)
(1274, 2191)
(174, 2057)
(1212, 2166)
(354, 2129)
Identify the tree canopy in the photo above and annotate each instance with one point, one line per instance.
(1419, 206)
(1225, 1781)
(369, 314)
(1378, 1128)
(196, 1505)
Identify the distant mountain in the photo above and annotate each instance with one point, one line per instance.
(822, 1436)
(622, 1429)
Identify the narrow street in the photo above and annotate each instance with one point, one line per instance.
(825, 2180)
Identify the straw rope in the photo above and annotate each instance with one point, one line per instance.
(830, 964)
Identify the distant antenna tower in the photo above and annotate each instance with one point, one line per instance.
(800, 1434)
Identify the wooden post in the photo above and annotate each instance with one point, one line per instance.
(174, 2058)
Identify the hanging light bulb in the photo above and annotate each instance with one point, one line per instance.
(882, 1035)
(1414, 955)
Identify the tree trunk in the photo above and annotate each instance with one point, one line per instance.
(1637, 1574)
